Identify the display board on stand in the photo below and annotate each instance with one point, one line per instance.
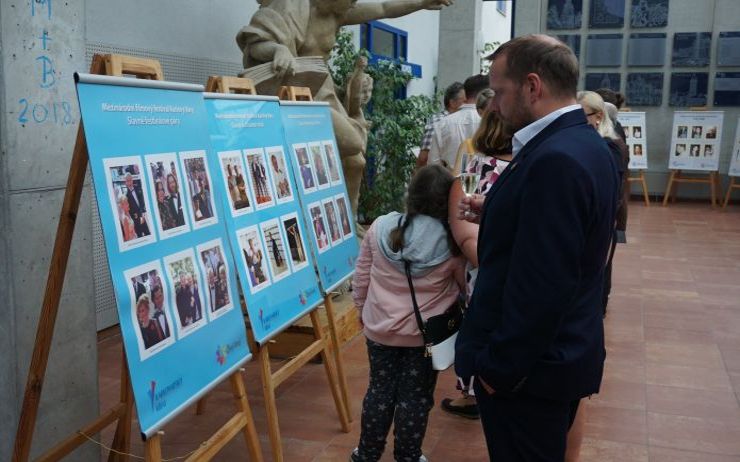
(734, 171)
(635, 131)
(695, 145)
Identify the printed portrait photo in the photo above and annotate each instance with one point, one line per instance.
(255, 256)
(680, 150)
(695, 150)
(708, 150)
(129, 202)
(296, 247)
(637, 150)
(696, 131)
(332, 162)
(232, 169)
(682, 132)
(343, 212)
(164, 181)
(319, 227)
(198, 187)
(150, 309)
(331, 217)
(280, 174)
(711, 133)
(304, 166)
(637, 132)
(627, 131)
(186, 284)
(218, 286)
(276, 249)
(259, 179)
(319, 164)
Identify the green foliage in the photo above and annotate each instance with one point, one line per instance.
(397, 126)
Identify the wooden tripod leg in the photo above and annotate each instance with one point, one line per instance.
(729, 192)
(153, 449)
(669, 188)
(329, 306)
(643, 182)
(268, 389)
(331, 374)
(713, 187)
(250, 434)
(122, 439)
(200, 407)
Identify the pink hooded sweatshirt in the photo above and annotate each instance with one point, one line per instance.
(380, 289)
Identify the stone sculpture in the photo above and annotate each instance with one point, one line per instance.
(287, 36)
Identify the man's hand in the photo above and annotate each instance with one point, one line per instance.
(470, 208)
(489, 389)
(283, 62)
(436, 4)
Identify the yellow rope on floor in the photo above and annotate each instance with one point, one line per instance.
(93, 440)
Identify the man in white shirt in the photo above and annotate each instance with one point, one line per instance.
(451, 131)
(454, 98)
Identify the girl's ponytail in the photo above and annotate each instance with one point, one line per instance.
(396, 236)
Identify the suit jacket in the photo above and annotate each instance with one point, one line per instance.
(535, 318)
(136, 209)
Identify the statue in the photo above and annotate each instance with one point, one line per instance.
(282, 33)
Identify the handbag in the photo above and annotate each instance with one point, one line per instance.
(439, 332)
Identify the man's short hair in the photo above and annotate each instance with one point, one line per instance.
(611, 96)
(474, 85)
(451, 93)
(545, 56)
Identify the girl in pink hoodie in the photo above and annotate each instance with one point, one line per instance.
(402, 380)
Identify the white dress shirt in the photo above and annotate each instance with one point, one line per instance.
(450, 132)
(525, 135)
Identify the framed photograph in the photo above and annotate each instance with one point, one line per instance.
(170, 209)
(682, 132)
(296, 245)
(198, 188)
(129, 202)
(708, 150)
(634, 126)
(319, 165)
(691, 49)
(235, 182)
(255, 258)
(604, 50)
(696, 132)
(612, 80)
(645, 89)
(332, 162)
(214, 266)
(680, 150)
(637, 150)
(646, 49)
(308, 182)
(344, 216)
(335, 232)
(259, 178)
(727, 89)
(607, 14)
(695, 150)
(689, 89)
(276, 249)
(320, 230)
(574, 43)
(150, 309)
(728, 49)
(185, 282)
(564, 14)
(735, 159)
(649, 13)
(279, 173)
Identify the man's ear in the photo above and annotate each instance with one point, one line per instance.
(533, 85)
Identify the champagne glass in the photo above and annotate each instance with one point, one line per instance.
(469, 182)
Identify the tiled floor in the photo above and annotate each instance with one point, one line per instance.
(671, 387)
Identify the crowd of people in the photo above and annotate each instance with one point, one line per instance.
(530, 248)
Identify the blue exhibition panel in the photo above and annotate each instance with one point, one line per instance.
(167, 246)
(322, 189)
(263, 215)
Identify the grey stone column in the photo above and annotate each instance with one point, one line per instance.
(41, 45)
(459, 40)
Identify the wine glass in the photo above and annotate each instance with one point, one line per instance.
(469, 182)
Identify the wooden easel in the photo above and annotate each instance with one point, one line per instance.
(295, 94)
(122, 413)
(733, 185)
(225, 84)
(677, 177)
(640, 178)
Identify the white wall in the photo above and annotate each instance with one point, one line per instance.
(495, 26)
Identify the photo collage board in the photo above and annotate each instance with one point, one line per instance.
(321, 186)
(735, 160)
(167, 246)
(634, 128)
(695, 140)
(262, 211)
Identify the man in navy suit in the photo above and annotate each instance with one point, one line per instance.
(533, 335)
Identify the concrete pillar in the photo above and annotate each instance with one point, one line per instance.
(42, 43)
(459, 42)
